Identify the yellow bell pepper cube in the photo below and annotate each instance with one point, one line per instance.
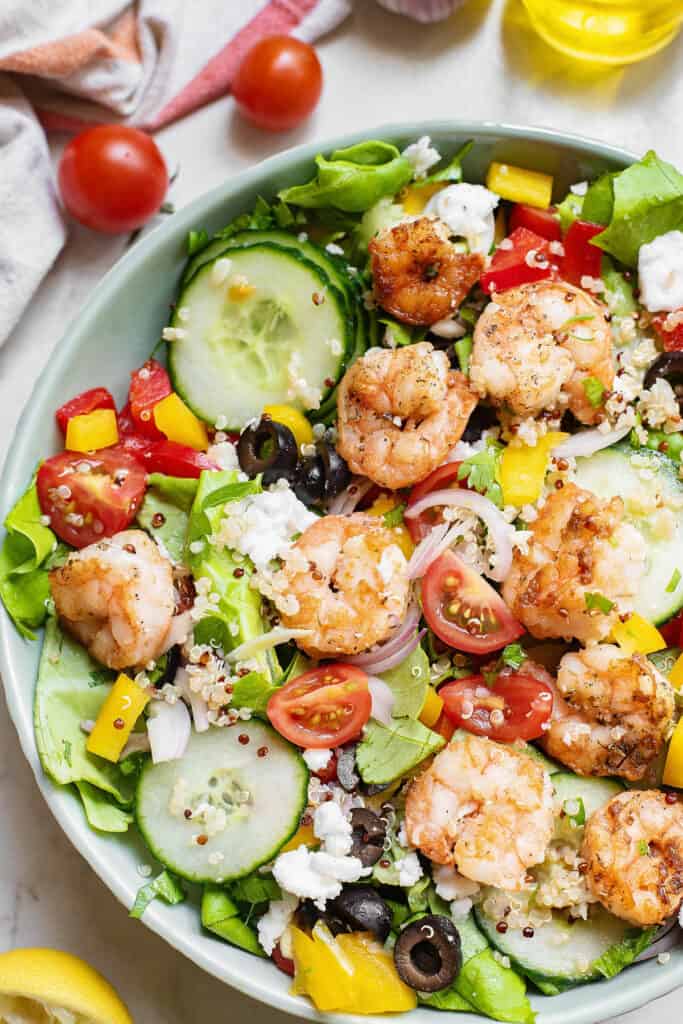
(376, 986)
(520, 185)
(380, 507)
(414, 198)
(92, 431)
(638, 636)
(117, 718)
(304, 836)
(321, 971)
(432, 708)
(676, 673)
(290, 417)
(673, 767)
(178, 423)
(523, 469)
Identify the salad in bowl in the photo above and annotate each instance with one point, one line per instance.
(363, 610)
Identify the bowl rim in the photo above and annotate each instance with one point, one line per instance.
(608, 1000)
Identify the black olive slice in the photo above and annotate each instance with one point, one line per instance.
(309, 482)
(362, 909)
(337, 475)
(269, 448)
(427, 953)
(369, 833)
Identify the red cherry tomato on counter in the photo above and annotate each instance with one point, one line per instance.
(444, 476)
(148, 385)
(464, 610)
(515, 707)
(325, 707)
(278, 83)
(542, 222)
(112, 178)
(520, 258)
(81, 405)
(88, 497)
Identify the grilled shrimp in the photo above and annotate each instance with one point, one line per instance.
(582, 568)
(484, 808)
(633, 850)
(614, 714)
(418, 275)
(400, 413)
(534, 346)
(344, 581)
(117, 598)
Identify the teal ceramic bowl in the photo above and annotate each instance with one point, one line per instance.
(114, 333)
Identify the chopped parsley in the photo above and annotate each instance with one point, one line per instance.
(482, 472)
(513, 656)
(595, 391)
(598, 602)
(643, 848)
(394, 517)
(674, 581)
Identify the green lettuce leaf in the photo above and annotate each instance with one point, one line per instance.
(71, 688)
(353, 179)
(417, 895)
(453, 170)
(29, 550)
(253, 691)
(100, 810)
(255, 889)
(170, 497)
(383, 214)
(221, 916)
(618, 291)
(165, 887)
(569, 210)
(625, 952)
(648, 202)
(598, 203)
(387, 753)
(408, 683)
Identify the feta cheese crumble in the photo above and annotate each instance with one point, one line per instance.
(333, 829)
(224, 454)
(422, 156)
(275, 921)
(467, 210)
(262, 525)
(409, 870)
(315, 875)
(660, 272)
(317, 760)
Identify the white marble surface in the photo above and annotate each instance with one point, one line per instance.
(484, 63)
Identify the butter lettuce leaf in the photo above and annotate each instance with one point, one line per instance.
(101, 811)
(615, 959)
(648, 202)
(408, 682)
(353, 179)
(170, 498)
(387, 753)
(165, 887)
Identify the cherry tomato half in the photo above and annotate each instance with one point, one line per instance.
(464, 610)
(325, 707)
(81, 405)
(278, 83)
(283, 963)
(88, 497)
(112, 178)
(329, 772)
(166, 457)
(444, 476)
(148, 385)
(515, 707)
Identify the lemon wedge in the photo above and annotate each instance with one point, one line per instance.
(46, 986)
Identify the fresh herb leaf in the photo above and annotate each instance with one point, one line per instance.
(255, 889)
(463, 350)
(513, 655)
(394, 517)
(643, 848)
(353, 179)
(598, 602)
(196, 240)
(100, 676)
(165, 887)
(482, 472)
(674, 581)
(594, 389)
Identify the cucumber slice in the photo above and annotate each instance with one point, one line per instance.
(219, 770)
(648, 482)
(559, 954)
(237, 354)
(592, 791)
(521, 747)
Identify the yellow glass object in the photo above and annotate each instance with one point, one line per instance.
(520, 185)
(294, 420)
(606, 31)
(178, 423)
(414, 198)
(431, 709)
(638, 636)
(351, 973)
(117, 718)
(673, 767)
(676, 673)
(383, 504)
(523, 469)
(94, 430)
(304, 836)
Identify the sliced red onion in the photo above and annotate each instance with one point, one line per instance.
(198, 706)
(178, 630)
(168, 728)
(394, 643)
(588, 442)
(138, 743)
(425, 552)
(666, 939)
(498, 527)
(383, 700)
(392, 660)
(347, 501)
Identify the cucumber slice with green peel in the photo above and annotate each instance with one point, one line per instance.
(593, 792)
(652, 492)
(237, 353)
(559, 955)
(253, 804)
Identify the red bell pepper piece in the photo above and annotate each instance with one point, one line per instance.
(148, 385)
(581, 259)
(670, 337)
(520, 258)
(672, 631)
(81, 405)
(542, 222)
(166, 457)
